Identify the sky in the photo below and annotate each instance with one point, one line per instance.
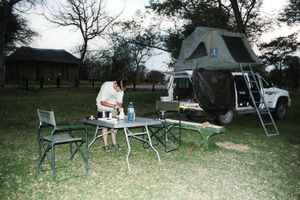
(53, 37)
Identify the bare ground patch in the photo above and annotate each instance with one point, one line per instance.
(233, 146)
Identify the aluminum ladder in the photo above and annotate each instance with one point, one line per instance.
(260, 106)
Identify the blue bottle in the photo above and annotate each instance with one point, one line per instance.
(130, 112)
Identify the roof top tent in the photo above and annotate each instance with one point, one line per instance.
(213, 48)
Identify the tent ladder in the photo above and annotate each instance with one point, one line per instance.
(260, 105)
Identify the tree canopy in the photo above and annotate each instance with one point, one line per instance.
(291, 12)
(14, 29)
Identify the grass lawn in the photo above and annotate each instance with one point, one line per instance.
(268, 169)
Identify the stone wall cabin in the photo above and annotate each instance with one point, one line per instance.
(34, 64)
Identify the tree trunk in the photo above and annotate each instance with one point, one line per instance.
(7, 10)
(3, 22)
(238, 16)
(82, 55)
(2, 63)
(2, 71)
(83, 50)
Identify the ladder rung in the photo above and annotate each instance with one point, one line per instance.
(263, 112)
(268, 124)
(247, 72)
(272, 134)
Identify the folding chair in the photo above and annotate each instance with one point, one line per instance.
(168, 133)
(60, 134)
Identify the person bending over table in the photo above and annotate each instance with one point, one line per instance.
(110, 97)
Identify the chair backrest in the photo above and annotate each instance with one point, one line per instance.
(167, 106)
(46, 117)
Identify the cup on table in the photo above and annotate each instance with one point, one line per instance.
(104, 114)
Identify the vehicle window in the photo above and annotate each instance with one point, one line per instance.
(253, 85)
(183, 89)
(183, 83)
(240, 83)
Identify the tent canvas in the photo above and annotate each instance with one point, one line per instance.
(213, 48)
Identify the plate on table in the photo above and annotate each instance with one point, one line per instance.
(108, 119)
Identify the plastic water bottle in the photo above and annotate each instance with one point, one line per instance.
(130, 112)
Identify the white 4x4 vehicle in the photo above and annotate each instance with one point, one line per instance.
(180, 88)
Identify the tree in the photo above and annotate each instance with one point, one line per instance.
(109, 63)
(291, 12)
(155, 77)
(135, 43)
(13, 29)
(89, 16)
(293, 69)
(274, 52)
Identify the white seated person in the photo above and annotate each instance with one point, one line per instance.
(110, 97)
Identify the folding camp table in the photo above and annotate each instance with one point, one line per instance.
(127, 127)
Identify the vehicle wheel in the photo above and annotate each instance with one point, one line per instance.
(280, 110)
(225, 119)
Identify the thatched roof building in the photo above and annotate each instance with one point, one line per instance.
(34, 63)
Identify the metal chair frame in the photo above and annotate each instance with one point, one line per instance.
(166, 131)
(60, 134)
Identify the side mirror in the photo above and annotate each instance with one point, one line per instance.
(271, 84)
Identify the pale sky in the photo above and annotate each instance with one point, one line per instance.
(65, 37)
(52, 37)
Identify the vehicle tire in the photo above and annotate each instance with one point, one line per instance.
(280, 110)
(225, 118)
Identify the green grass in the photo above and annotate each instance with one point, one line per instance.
(270, 169)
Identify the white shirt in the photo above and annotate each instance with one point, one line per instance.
(109, 94)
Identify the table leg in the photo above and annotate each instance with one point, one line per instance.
(135, 136)
(96, 136)
(150, 143)
(126, 131)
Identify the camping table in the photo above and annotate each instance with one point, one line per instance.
(126, 126)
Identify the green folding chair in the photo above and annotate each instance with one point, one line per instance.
(59, 134)
(168, 133)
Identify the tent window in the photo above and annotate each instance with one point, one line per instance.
(199, 52)
(237, 49)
